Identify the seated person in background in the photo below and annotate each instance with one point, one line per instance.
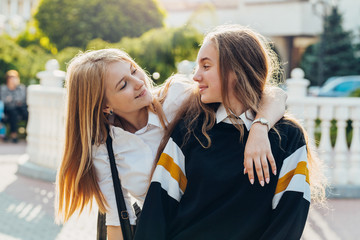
(13, 95)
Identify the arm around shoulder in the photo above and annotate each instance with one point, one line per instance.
(114, 233)
(273, 104)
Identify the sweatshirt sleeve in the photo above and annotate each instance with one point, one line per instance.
(167, 186)
(291, 200)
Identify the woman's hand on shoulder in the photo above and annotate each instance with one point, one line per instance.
(258, 153)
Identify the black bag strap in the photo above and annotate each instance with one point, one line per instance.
(120, 202)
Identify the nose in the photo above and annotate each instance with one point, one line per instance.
(138, 83)
(197, 76)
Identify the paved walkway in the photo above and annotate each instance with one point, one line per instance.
(27, 210)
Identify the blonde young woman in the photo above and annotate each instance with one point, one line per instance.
(108, 87)
(198, 190)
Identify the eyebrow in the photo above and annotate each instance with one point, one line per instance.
(204, 59)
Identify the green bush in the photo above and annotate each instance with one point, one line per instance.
(65, 55)
(75, 23)
(27, 61)
(355, 93)
(158, 50)
(32, 35)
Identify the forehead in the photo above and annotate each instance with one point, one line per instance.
(208, 51)
(118, 68)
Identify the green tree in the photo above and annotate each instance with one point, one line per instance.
(335, 49)
(158, 50)
(74, 23)
(32, 35)
(65, 55)
(27, 61)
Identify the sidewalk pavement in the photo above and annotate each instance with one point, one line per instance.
(27, 209)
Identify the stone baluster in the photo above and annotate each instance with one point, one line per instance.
(296, 90)
(46, 120)
(341, 149)
(355, 147)
(310, 117)
(326, 115)
(297, 84)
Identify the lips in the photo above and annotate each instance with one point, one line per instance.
(143, 92)
(202, 87)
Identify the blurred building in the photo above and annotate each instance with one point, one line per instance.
(291, 24)
(14, 14)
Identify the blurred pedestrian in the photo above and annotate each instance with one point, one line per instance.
(13, 95)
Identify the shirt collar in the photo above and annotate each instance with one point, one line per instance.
(153, 120)
(222, 116)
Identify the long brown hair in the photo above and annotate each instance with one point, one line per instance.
(86, 126)
(247, 54)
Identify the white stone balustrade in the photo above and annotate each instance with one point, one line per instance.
(45, 129)
(343, 162)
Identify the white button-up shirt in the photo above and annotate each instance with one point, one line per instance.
(245, 118)
(134, 156)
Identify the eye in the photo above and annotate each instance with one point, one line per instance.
(206, 67)
(125, 83)
(134, 71)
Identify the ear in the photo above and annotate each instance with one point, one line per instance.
(107, 109)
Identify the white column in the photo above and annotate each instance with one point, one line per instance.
(45, 130)
(6, 10)
(27, 9)
(355, 147)
(310, 116)
(13, 7)
(2, 10)
(296, 90)
(341, 149)
(297, 84)
(326, 115)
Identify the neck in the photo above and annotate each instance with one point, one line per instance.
(236, 107)
(133, 122)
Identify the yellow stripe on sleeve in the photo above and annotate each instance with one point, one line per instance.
(284, 181)
(168, 163)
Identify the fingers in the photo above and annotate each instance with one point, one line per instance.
(249, 169)
(271, 160)
(265, 168)
(261, 167)
(259, 171)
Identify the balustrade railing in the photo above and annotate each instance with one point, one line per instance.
(342, 161)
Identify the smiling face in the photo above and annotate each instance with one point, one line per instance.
(208, 74)
(125, 89)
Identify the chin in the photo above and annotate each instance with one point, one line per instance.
(148, 101)
(205, 100)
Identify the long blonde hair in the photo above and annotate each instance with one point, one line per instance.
(76, 182)
(249, 55)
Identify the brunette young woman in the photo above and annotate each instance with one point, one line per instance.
(198, 189)
(106, 87)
